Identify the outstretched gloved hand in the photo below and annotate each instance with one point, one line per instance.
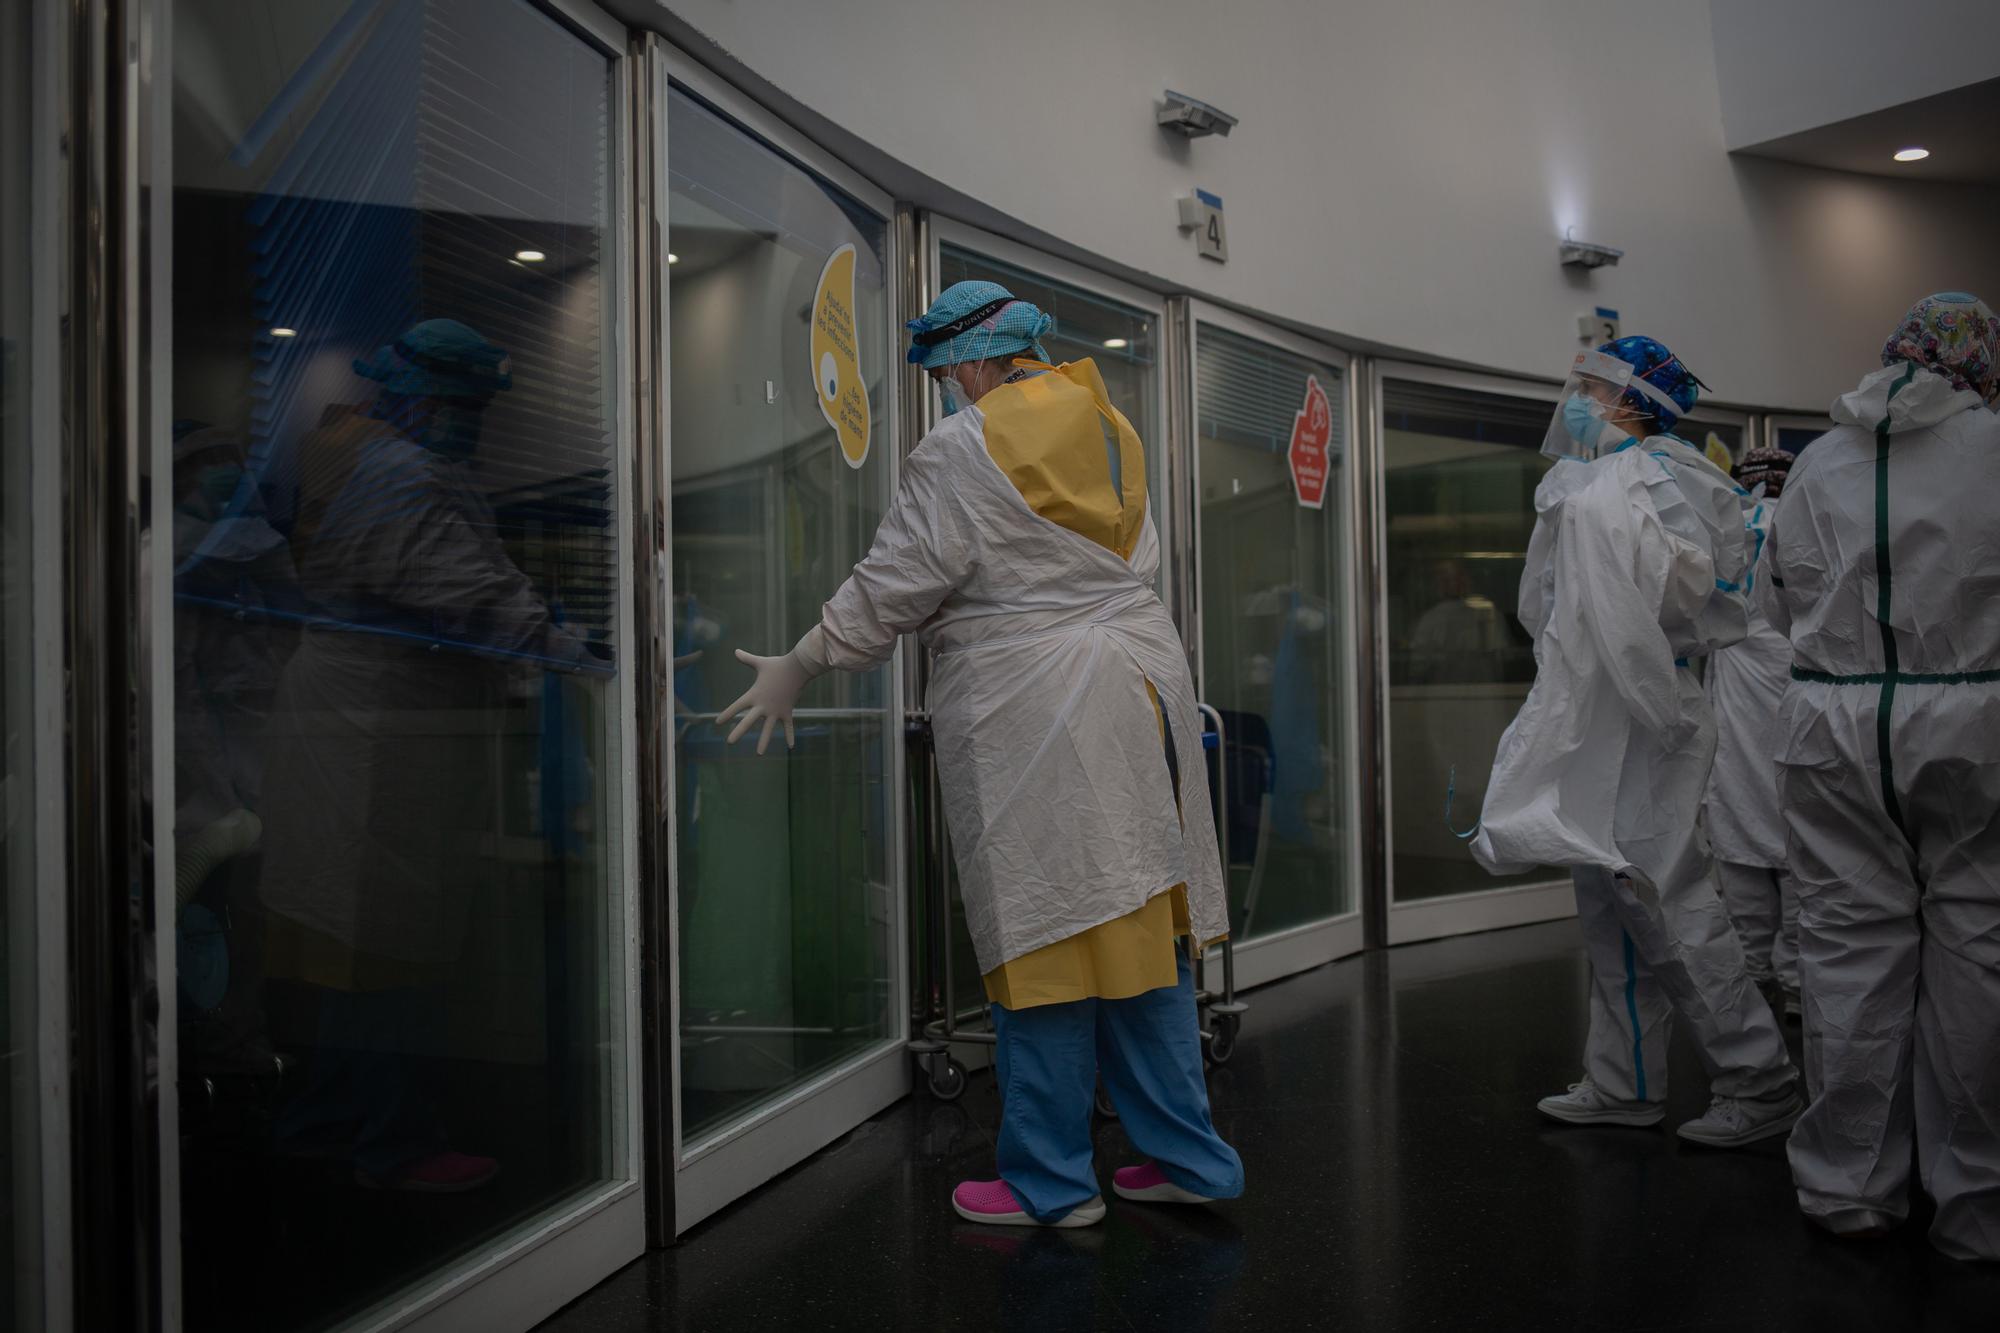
(780, 680)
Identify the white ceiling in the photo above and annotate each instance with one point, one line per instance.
(1960, 127)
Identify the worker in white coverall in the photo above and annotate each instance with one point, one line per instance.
(1746, 829)
(1884, 569)
(1637, 565)
(1021, 549)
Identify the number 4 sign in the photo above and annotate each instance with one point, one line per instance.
(1312, 437)
(1201, 213)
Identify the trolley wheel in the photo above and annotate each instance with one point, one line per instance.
(1222, 1038)
(947, 1079)
(1105, 1107)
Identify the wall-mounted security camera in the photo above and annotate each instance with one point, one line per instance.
(1192, 117)
(1588, 254)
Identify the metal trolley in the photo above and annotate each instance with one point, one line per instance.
(940, 1023)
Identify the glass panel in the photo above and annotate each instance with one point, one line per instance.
(396, 719)
(787, 899)
(1794, 437)
(1273, 625)
(1124, 343)
(20, 1103)
(1713, 438)
(1461, 469)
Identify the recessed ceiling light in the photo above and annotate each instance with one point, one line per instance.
(1913, 154)
(284, 333)
(1114, 343)
(530, 256)
(673, 258)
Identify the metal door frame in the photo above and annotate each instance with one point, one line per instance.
(1269, 957)
(773, 1137)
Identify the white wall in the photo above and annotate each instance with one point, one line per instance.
(1401, 174)
(1792, 65)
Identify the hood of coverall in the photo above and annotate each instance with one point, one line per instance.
(1911, 397)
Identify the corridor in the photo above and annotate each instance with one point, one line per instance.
(1399, 1179)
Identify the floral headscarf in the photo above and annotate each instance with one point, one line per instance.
(1953, 335)
(1765, 466)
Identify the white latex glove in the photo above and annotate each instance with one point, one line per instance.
(780, 680)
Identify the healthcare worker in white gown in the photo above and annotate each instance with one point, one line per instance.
(1884, 569)
(1746, 828)
(1637, 565)
(1021, 550)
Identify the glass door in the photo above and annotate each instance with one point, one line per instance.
(1273, 418)
(1721, 435)
(781, 458)
(1460, 462)
(397, 699)
(1117, 327)
(1794, 433)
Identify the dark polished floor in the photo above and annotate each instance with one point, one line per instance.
(1399, 1179)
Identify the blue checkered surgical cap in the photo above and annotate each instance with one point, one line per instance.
(977, 321)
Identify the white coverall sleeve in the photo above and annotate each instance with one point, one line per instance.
(1771, 596)
(459, 575)
(920, 555)
(1614, 559)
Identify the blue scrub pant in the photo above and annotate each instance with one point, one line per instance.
(1148, 1051)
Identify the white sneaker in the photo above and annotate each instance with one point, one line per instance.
(1586, 1104)
(1732, 1122)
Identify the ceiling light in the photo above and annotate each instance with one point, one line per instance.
(673, 258)
(1114, 343)
(530, 256)
(284, 333)
(1912, 154)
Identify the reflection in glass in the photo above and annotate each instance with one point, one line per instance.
(1716, 439)
(786, 896)
(394, 648)
(1272, 625)
(1461, 470)
(20, 1099)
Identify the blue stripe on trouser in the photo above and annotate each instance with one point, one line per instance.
(1632, 1012)
(1148, 1051)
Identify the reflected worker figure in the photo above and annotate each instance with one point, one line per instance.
(1460, 638)
(234, 625)
(385, 745)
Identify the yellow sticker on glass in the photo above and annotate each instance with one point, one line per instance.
(836, 357)
(1718, 452)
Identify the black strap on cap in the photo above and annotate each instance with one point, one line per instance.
(970, 319)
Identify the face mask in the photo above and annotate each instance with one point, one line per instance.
(953, 394)
(1590, 430)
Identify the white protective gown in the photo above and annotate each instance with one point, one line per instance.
(1884, 567)
(1636, 564)
(384, 730)
(1058, 798)
(1746, 683)
(1746, 830)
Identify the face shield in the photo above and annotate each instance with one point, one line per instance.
(1585, 424)
(1593, 417)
